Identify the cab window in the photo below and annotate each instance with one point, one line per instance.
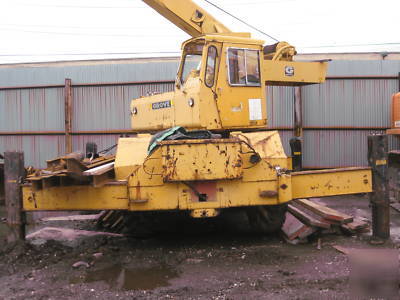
(210, 68)
(191, 62)
(243, 67)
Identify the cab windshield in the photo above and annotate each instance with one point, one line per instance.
(191, 62)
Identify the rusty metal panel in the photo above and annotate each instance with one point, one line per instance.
(37, 149)
(348, 103)
(32, 110)
(107, 107)
(201, 160)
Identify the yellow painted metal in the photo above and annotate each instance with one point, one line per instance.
(284, 188)
(293, 72)
(223, 194)
(201, 159)
(79, 197)
(131, 153)
(204, 213)
(204, 176)
(143, 117)
(188, 16)
(331, 182)
(222, 106)
(266, 143)
(278, 189)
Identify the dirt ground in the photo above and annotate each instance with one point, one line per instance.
(221, 264)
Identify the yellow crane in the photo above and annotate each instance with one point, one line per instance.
(211, 149)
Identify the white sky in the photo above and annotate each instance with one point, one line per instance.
(47, 30)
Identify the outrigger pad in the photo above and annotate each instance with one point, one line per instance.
(179, 133)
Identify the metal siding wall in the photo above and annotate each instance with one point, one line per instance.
(102, 141)
(348, 103)
(106, 108)
(280, 102)
(137, 70)
(286, 135)
(32, 110)
(37, 148)
(335, 148)
(363, 68)
(338, 103)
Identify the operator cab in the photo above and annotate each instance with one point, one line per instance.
(218, 87)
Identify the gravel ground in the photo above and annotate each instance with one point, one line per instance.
(201, 265)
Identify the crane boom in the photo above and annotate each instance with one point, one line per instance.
(188, 16)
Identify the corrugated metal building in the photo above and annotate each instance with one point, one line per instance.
(337, 115)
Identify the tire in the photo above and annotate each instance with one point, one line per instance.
(266, 219)
(138, 225)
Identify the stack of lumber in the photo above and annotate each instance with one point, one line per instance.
(304, 217)
(73, 169)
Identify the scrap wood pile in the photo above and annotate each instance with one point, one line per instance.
(73, 169)
(305, 217)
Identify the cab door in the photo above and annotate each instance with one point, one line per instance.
(240, 89)
(209, 116)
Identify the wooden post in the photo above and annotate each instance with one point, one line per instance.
(379, 198)
(68, 115)
(14, 173)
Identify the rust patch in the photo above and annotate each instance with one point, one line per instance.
(268, 194)
(138, 194)
(284, 186)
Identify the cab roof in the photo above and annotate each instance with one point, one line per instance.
(235, 38)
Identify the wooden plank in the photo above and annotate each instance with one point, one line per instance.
(357, 225)
(75, 170)
(293, 228)
(344, 250)
(55, 164)
(50, 182)
(324, 211)
(395, 206)
(308, 217)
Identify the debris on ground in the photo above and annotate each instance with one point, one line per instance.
(74, 168)
(342, 249)
(306, 218)
(67, 236)
(80, 264)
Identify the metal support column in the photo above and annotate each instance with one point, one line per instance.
(295, 146)
(296, 141)
(68, 115)
(298, 112)
(14, 173)
(379, 198)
